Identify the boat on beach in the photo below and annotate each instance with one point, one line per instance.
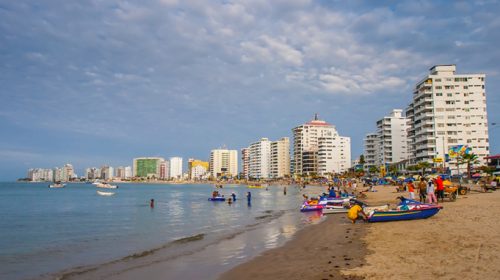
(57, 185)
(105, 193)
(407, 210)
(104, 185)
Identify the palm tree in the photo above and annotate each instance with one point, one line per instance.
(423, 165)
(469, 159)
(373, 169)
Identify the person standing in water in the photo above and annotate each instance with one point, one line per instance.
(152, 203)
(284, 190)
(233, 195)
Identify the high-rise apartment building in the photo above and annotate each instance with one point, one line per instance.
(319, 149)
(175, 168)
(164, 170)
(245, 160)
(107, 172)
(390, 143)
(280, 158)
(223, 162)
(259, 165)
(40, 174)
(448, 110)
(147, 167)
(123, 172)
(370, 150)
(92, 173)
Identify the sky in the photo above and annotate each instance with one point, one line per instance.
(101, 82)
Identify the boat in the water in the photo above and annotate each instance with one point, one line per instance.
(217, 198)
(105, 193)
(407, 210)
(57, 185)
(104, 185)
(256, 186)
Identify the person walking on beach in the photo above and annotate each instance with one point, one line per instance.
(353, 213)
(411, 190)
(440, 188)
(422, 190)
(430, 192)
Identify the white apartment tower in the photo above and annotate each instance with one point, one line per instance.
(259, 156)
(223, 162)
(370, 149)
(318, 148)
(392, 135)
(280, 158)
(448, 109)
(175, 168)
(245, 160)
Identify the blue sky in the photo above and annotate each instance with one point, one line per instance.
(100, 82)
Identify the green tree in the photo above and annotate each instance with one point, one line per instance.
(373, 169)
(393, 170)
(362, 159)
(423, 165)
(469, 159)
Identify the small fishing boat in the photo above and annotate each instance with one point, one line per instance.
(57, 185)
(104, 185)
(105, 193)
(407, 210)
(217, 198)
(308, 208)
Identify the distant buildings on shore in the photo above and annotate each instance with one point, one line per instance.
(447, 110)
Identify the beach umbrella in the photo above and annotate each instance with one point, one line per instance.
(401, 178)
(409, 180)
(476, 175)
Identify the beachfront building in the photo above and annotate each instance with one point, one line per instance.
(448, 110)
(197, 169)
(370, 150)
(92, 173)
(175, 168)
(390, 143)
(147, 167)
(40, 174)
(280, 158)
(107, 172)
(259, 166)
(319, 149)
(123, 173)
(223, 163)
(164, 170)
(245, 160)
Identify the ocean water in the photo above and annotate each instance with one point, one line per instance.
(43, 231)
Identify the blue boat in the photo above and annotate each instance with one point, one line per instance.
(217, 198)
(407, 210)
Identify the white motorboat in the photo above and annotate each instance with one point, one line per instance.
(57, 186)
(105, 193)
(105, 185)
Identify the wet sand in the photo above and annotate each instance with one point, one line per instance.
(317, 252)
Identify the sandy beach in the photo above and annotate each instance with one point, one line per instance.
(460, 242)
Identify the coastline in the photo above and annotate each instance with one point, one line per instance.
(319, 251)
